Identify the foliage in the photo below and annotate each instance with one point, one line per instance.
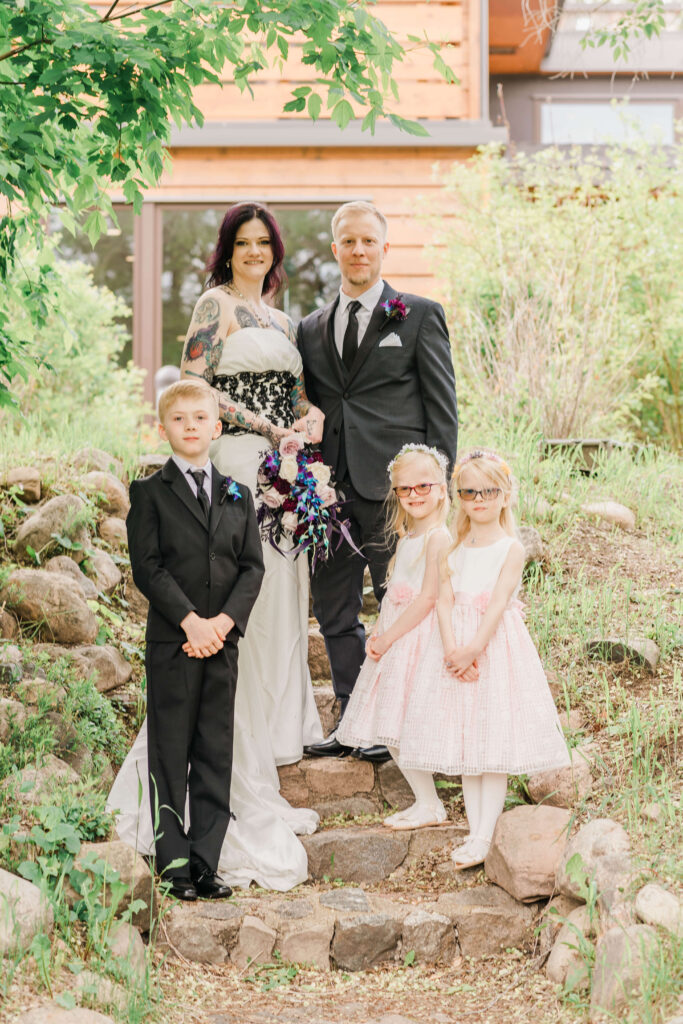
(87, 99)
(563, 288)
(631, 20)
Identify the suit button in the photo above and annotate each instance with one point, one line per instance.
(345, 395)
(212, 555)
(336, 430)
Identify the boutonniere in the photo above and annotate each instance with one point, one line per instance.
(229, 489)
(395, 309)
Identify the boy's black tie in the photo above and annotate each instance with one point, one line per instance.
(202, 497)
(350, 344)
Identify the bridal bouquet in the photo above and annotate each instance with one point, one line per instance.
(298, 500)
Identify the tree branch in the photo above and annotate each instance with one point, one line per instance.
(106, 17)
(20, 49)
(140, 10)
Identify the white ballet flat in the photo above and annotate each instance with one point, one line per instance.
(470, 854)
(421, 817)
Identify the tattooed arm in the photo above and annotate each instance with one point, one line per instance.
(202, 353)
(310, 419)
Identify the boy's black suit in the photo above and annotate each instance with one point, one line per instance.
(181, 564)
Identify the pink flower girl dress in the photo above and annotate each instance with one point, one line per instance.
(506, 721)
(380, 697)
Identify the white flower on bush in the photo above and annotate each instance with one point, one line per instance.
(289, 521)
(321, 472)
(289, 468)
(273, 498)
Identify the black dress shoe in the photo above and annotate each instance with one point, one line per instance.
(376, 754)
(182, 888)
(210, 887)
(331, 747)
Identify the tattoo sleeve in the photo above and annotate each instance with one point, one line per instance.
(300, 403)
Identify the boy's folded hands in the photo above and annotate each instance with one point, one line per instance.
(205, 637)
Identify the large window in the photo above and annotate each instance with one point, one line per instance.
(594, 122)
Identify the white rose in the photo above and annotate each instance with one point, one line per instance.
(290, 521)
(321, 472)
(289, 468)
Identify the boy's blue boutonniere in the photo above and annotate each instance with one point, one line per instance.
(395, 309)
(229, 489)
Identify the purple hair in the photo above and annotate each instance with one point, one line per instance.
(239, 214)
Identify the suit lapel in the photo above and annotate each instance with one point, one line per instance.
(216, 507)
(377, 321)
(327, 333)
(171, 475)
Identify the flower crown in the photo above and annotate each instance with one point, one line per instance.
(481, 453)
(423, 449)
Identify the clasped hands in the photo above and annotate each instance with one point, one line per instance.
(205, 637)
(461, 663)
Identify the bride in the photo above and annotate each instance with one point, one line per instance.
(246, 350)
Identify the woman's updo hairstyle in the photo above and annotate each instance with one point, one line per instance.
(240, 213)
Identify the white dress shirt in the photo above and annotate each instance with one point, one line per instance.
(184, 466)
(368, 301)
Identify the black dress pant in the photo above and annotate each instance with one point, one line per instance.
(190, 720)
(337, 589)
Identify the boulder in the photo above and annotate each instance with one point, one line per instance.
(53, 1013)
(595, 844)
(562, 787)
(551, 920)
(138, 605)
(530, 539)
(293, 785)
(102, 991)
(9, 627)
(11, 664)
(566, 966)
(353, 901)
(204, 933)
(442, 838)
(657, 906)
(36, 784)
(394, 786)
(526, 850)
(611, 512)
(431, 937)
(328, 708)
(363, 940)
(318, 662)
(621, 958)
(132, 871)
(488, 920)
(148, 464)
(105, 664)
(24, 913)
(307, 940)
(255, 943)
(355, 854)
(127, 948)
(88, 459)
(108, 491)
(113, 530)
(64, 564)
(104, 571)
(350, 806)
(27, 480)
(52, 600)
(334, 777)
(12, 712)
(40, 691)
(641, 650)
(64, 515)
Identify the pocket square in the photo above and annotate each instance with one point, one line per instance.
(391, 340)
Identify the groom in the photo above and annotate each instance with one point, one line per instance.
(379, 366)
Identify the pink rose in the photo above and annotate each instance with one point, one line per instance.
(290, 521)
(272, 498)
(291, 444)
(327, 493)
(400, 593)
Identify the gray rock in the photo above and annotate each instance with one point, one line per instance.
(430, 936)
(530, 539)
(395, 789)
(24, 913)
(105, 664)
(97, 989)
(63, 515)
(291, 910)
(593, 843)
(307, 940)
(329, 778)
(88, 459)
(191, 932)
(425, 841)
(53, 1013)
(113, 530)
(355, 854)
(363, 940)
(488, 920)
(126, 947)
(621, 956)
(551, 920)
(353, 900)
(132, 870)
(11, 664)
(53, 601)
(12, 712)
(293, 785)
(657, 906)
(562, 787)
(255, 943)
(36, 784)
(566, 966)
(526, 850)
(64, 564)
(108, 491)
(318, 662)
(642, 650)
(351, 806)
(103, 571)
(611, 512)
(38, 690)
(328, 708)
(27, 480)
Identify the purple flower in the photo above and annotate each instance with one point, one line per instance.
(395, 309)
(229, 489)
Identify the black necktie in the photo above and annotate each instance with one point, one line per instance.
(202, 497)
(350, 345)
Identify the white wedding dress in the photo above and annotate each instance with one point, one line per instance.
(275, 711)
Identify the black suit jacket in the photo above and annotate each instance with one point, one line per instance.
(392, 394)
(182, 564)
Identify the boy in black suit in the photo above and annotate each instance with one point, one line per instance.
(195, 553)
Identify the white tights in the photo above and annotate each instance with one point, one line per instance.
(484, 800)
(422, 784)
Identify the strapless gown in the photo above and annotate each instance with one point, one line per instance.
(275, 711)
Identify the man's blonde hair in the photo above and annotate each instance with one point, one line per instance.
(186, 389)
(359, 206)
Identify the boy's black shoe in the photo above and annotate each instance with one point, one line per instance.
(182, 888)
(209, 886)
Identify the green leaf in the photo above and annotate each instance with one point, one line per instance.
(315, 104)
(66, 999)
(342, 113)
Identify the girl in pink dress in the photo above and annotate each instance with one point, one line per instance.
(418, 507)
(505, 722)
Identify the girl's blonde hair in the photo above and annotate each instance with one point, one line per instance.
(498, 472)
(398, 521)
